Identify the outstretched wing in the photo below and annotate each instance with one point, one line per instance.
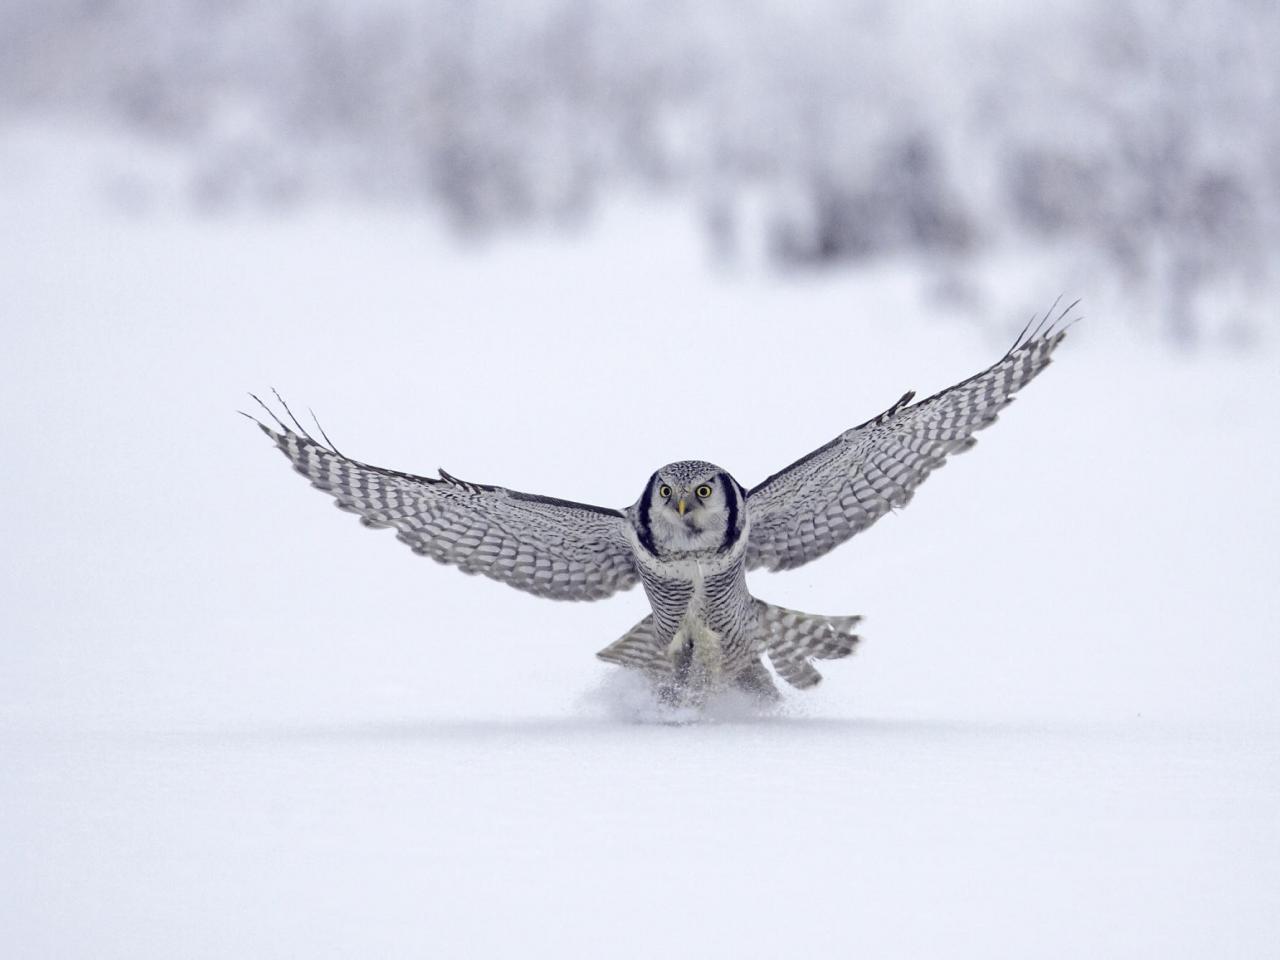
(552, 548)
(840, 489)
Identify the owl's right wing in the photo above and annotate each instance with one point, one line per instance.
(552, 548)
(840, 489)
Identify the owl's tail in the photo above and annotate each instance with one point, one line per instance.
(639, 649)
(791, 640)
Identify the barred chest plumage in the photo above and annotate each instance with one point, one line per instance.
(703, 615)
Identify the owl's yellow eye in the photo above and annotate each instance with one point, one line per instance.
(664, 491)
(703, 491)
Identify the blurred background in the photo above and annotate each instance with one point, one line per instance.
(553, 245)
(1132, 144)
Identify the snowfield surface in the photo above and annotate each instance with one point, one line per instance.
(234, 723)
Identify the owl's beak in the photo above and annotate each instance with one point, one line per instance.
(682, 506)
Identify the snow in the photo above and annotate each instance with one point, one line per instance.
(235, 723)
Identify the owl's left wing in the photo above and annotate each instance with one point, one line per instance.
(840, 489)
(552, 548)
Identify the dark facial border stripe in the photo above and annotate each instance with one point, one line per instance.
(644, 528)
(732, 500)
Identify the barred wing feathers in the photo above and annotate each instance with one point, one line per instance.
(548, 547)
(840, 489)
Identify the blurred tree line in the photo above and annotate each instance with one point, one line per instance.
(1145, 133)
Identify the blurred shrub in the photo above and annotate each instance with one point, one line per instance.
(1146, 131)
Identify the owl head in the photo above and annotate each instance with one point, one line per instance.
(691, 506)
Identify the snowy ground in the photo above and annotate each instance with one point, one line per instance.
(235, 723)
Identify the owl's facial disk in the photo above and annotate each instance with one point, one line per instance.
(688, 507)
(687, 501)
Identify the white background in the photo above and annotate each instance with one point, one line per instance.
(235, 723)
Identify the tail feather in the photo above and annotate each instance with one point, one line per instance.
(639, 649)
(793, 638)
(801, 674)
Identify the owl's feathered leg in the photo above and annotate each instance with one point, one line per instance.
(687, 683)
(678, 676)
(756, 681)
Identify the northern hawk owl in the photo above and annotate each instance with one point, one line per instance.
(693, 534)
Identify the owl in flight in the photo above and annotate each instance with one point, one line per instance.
(693, 534)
